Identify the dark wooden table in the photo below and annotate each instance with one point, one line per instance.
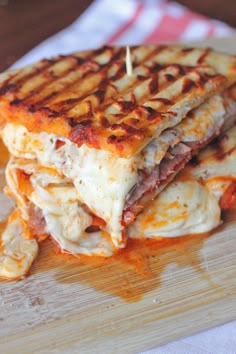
(25, 23)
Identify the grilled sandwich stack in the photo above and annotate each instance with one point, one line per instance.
(92, 147)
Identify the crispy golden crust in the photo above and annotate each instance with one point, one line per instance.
(89, 98)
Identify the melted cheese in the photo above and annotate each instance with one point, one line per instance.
(183, 208)
(66, 220)
(206, 120)
(17, 253)
(101, 179)
(215, 162)
(190, 204)
(56, 197)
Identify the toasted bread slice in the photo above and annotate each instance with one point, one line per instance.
(88, 97)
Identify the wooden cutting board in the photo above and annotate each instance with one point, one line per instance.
(153, 293)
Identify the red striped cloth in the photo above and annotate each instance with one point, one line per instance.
(174, 23)
(129, 22)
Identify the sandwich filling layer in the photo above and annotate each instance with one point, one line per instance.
(73, 192)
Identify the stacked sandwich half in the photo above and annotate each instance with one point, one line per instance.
(91, 147)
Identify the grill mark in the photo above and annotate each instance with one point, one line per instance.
(164, 101)
(104, 122)
(91, 55)
(203, 56)
(51, 113)
(46, 63)
(15, 102)
(70, 104)
(105, 83)
(6, 88)
(128, 129)
(80, 61)
(169, 77)
(7, 82)
(142, 77)
(155, 114)
(100, 94)
(152, 54)
(153, 88)
(126, 106)
(156, 67)
(121, 72)
(117, 55)
(43, 65)
(153, 85)
(158, 50)
(204, 78)
(62, 106)
(47, 98)
(187, 50)
(64, 88)
(181, 69)
(85, 121)
(188, 84)
(102, 70)
(51, 79)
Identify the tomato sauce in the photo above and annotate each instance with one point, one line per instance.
(4, 155)
(129, 274)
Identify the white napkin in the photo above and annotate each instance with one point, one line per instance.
(137, 22)
(218, 340)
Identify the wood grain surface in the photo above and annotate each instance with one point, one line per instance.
(154, 292)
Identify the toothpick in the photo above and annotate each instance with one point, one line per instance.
(129, 67)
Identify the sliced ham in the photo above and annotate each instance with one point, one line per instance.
(175, 159)
(37, 221)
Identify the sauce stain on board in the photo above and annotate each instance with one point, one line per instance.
(132, 272)
(135, 270)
